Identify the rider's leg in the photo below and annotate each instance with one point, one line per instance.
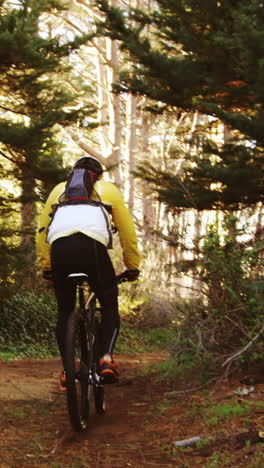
(64, 290)
(79, 253)
(105, 286)
(104, 283)
(110, 323)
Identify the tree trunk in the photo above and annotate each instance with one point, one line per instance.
(103, 96)
(259, 228)
(132, 139)
(147, 196)
(28, 226)
(115, 114)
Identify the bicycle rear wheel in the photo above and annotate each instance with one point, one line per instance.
(76, 366)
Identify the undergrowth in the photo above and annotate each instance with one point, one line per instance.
(27, 329)
(132, 340)
(27, 325)
(201, 333)
(225, 325)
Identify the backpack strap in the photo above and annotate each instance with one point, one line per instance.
(106, 210)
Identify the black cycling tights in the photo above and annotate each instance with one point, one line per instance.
(81, 254)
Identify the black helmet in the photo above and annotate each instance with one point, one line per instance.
(90, 163)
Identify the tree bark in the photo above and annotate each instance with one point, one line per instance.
(28, 225)
(132, 140)
(147, 196)
(115, 114)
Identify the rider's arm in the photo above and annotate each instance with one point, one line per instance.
(124, 224)
(43, 248)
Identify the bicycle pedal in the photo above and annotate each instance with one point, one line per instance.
(108, 379)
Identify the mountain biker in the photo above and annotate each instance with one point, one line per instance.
(77, 242)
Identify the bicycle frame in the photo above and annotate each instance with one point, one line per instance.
(85, 295)
(87, 308)
(82, 354)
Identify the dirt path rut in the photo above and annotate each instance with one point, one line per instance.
(138, 429)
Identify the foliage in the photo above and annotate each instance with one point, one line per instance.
(9, 236)
(230, 312)
(223, 176)
(162, 338)
(204, 57)
(149, 302)
(180, 55)
(34, 99)
(131, 299)
(28, 323)
(223, 411)
(35, 104)
(132, 340)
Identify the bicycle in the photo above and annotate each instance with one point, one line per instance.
(82, 353)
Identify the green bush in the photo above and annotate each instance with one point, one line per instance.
(133, 340)
(145, 306)
(231, 305)
(28, 321)
(27, 324)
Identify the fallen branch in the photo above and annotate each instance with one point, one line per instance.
(238, 353)
(188, 390)
(237, 442)
(187, 442)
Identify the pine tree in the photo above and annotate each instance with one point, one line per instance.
(35, 98)
(202, 56)
(231, 181)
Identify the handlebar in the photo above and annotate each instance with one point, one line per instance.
(128, 275)
(121, 278)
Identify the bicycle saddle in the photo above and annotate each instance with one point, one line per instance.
(78, 278)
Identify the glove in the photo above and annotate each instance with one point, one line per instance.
(132, 275)
(48, 275)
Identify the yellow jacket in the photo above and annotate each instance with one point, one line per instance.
(122, 219)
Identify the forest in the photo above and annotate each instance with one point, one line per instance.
(169, 97)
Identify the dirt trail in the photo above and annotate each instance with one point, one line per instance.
(138, 429)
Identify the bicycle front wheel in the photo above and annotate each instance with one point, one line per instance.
(76, 359)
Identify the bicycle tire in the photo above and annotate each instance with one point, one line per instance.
(76, 359)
